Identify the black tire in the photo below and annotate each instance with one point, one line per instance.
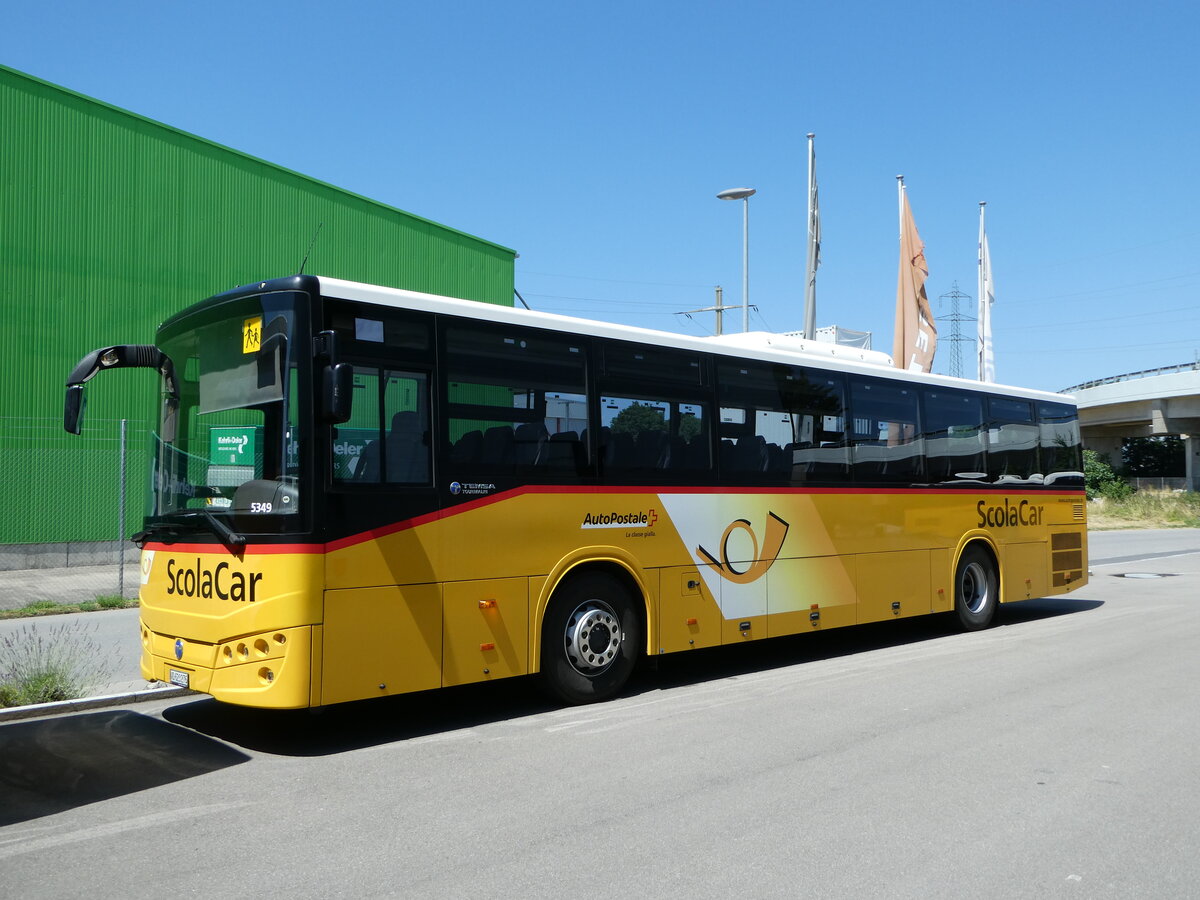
(590, 638)
(976, 589)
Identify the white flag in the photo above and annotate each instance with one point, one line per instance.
(987, 296)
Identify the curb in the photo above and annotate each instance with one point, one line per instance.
(13, 713)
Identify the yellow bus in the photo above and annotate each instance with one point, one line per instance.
(359, 491)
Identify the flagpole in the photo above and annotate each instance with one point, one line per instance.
(987, 365)
(898, 345)
(810, 286)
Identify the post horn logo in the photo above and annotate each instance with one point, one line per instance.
(777, 530)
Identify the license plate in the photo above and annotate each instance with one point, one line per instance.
(177, 678)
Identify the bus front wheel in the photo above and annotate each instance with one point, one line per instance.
(976, 590)
(590, 638)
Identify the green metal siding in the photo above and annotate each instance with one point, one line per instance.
(110, 223)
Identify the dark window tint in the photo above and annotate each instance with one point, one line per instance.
(1058, 428)
(517, 403)
(386, 439)
(780, 424)
(369, 329)
(954, 435)
(1012, 439)
(640, 362)
(644, 436)
(885, 437)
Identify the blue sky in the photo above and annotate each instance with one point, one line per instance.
(593, 138)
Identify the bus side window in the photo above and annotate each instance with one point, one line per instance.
(386, 439)
(1062, 461)
(887, 443)
(1012, 440)
(954, 447)
(648, 435)
(516, 404)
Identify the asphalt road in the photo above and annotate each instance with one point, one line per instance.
(1053, 755)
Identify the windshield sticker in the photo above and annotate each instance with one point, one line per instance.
(252, 335)
(147, 565)
(232, 446)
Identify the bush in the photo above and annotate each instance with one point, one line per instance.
(44, 665)
(1101, 480)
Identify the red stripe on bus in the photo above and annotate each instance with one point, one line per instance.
(250, 549)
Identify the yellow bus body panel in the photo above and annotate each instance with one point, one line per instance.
(240, 629)
(460, 596)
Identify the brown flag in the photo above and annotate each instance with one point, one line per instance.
(916, 335)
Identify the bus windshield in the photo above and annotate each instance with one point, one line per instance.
(227, 450)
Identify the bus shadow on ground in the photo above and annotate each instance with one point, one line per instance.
(352, 726)
(682, 669)
(55, 764)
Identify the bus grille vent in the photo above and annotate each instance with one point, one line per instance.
(1066, 554)
(1077, 509)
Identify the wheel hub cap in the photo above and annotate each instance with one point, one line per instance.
(593, 637)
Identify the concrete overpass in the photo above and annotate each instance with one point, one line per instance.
(1143, 404)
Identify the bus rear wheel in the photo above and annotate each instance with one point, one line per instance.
(590, 638)
(976, 591)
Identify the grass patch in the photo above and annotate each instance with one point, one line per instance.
(1146, 509)
(51, 608)
(48, 664)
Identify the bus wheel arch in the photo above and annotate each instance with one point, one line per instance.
(976, 586)
(592, 633)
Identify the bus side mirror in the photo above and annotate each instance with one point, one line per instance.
(73, 408)
(336, 393)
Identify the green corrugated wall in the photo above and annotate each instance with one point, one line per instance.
(110, 223)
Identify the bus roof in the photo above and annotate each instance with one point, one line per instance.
(762, 345)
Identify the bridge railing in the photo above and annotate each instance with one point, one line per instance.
(1145, 373)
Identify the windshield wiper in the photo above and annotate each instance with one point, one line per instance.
(235, 541)
(166, 532)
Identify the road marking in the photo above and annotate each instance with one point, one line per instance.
(116, 828)
(1122, 560)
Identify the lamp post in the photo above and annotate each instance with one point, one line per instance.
(743, 194)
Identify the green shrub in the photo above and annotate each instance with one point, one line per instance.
(1101, 480)
(43, 665)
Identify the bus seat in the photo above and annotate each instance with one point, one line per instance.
(564, 451)
(467, 448)
(750, 453)
(622, 454)
(527, 443)
(651, 450)
(407, 456)
(498, 446)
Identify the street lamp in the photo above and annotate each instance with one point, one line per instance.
(743, 194)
